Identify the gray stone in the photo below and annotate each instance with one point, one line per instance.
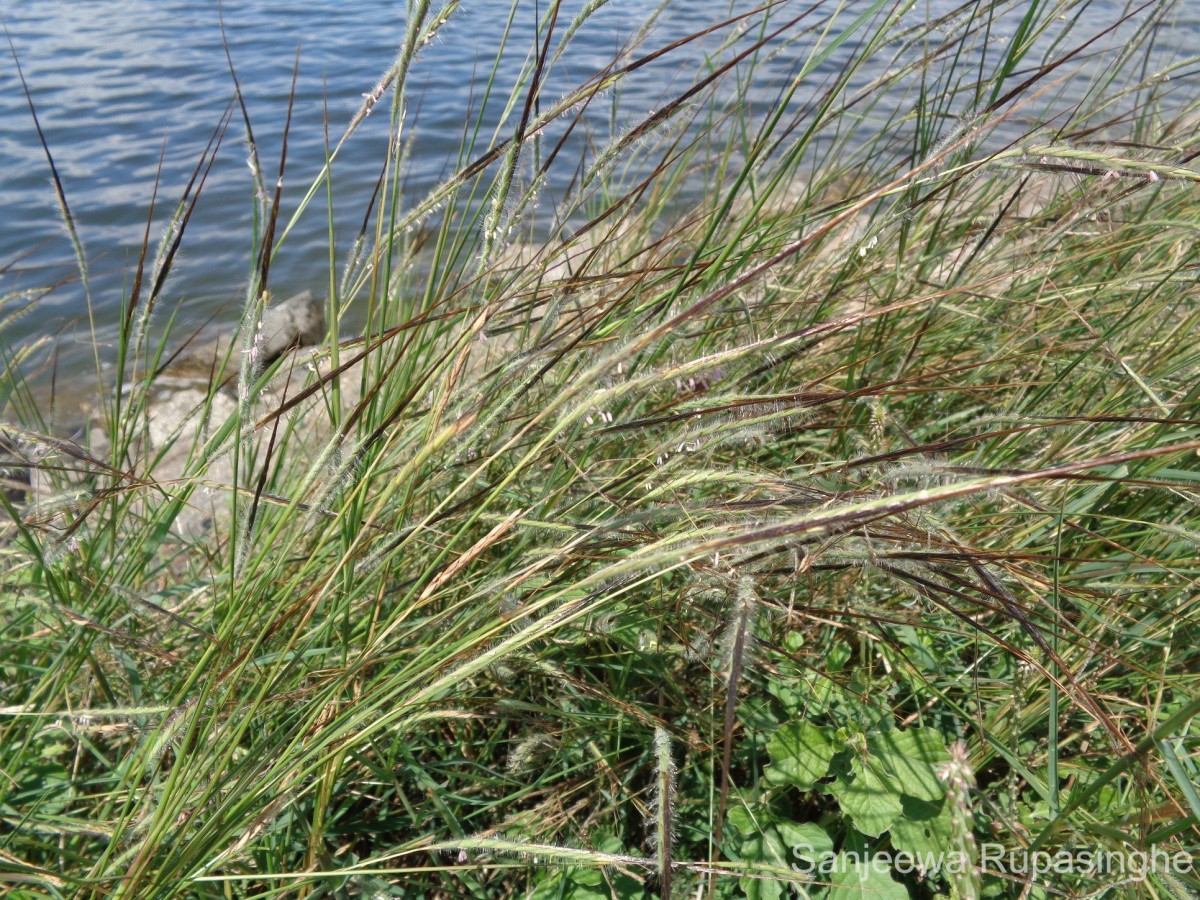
(298, 321)
(178, 424)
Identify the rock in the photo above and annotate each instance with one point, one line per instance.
(176, 418)
(193, 398)
(178, 424)
(180, 418)
(298, 321)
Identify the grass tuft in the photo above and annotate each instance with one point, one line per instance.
(803, 470)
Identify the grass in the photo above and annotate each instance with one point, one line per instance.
(829, 491)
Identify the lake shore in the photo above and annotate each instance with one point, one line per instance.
(755, 495)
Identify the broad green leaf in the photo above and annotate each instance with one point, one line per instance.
(811, 848)
(762, 888)
(837, 657)
(789, 695)
(854, 879)
(766, 847)
(746, 821)
(870, 803)
(800, 754)
(908, 761)
(811, 839)
(923, 829)
(588, 877)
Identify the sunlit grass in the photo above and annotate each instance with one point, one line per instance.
(771, 417)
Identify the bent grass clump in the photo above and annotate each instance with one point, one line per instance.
(826, 493)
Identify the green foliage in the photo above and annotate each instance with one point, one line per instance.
(827, 492)
(879, 781)
(801, 753)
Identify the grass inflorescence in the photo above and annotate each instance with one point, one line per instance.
(800, 473)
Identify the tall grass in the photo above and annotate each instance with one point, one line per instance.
(852, 414)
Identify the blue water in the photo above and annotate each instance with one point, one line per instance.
(116, 83)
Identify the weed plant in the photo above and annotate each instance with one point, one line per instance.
(802, 473)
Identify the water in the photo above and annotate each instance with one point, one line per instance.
(116, 83)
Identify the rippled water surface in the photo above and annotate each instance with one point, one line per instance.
(119, 84)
